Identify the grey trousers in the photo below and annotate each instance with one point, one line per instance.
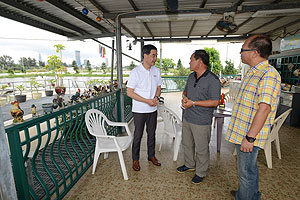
(140, 119)
(195, 143)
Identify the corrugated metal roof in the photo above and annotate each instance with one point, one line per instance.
(138, 17)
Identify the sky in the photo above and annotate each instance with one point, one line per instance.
(21, 40)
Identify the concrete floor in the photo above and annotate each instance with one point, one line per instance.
(281, 182)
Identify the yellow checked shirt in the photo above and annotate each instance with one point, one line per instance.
(260, 85)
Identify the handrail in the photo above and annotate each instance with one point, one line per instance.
(50, 153)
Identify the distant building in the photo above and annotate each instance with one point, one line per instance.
(85, 62)
(40, 57)
(77, 58)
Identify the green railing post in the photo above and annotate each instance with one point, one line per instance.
(119, 115)
(18, 164)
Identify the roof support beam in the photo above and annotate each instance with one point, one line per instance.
(148, 29)
(170, 30)
(239, 2)
(26, 7)
(282, 27)
(265, 24)
(135, 8)
(271, 7)
(128, 31)
(243, 9)
(276, 1)
(88, 36)
(69, 9)
(98, 6)
(26, 20)
(192, 27)
(203, 4)
(211, 30)
(166, 40)
(133, 5)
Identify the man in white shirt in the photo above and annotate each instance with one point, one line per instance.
(144, 87)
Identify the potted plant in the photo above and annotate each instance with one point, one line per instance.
(51, 84)
(3, 98)
(20, 98)
(55, 64)
(36, 86)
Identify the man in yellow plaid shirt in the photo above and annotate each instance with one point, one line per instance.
(253, 113)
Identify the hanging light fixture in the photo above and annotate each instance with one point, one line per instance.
(98, 19)
(85, 11)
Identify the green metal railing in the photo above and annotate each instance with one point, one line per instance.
(50, 153)
(173, 84)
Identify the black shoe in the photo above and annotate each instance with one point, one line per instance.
(184, 168)
(197, 179)
(233, 192)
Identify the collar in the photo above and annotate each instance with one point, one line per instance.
(260, 66)
(197, 79)
(204, 74)
(143, 68)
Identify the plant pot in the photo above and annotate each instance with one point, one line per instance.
(60, 90)
(2, 101)
(47, 107)
(36, 95)
(20, 98)
(49, 93)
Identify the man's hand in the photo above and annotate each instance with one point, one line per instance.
(186, 103)
(246, 146)
(152, 102)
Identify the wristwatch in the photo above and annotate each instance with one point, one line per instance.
(193, 103)
(250, 139)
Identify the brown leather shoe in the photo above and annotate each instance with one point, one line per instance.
(136, 165)
(154, 161)
(233, 192)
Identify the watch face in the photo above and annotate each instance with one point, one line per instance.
(250, 139)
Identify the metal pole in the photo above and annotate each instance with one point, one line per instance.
(7, 184)
(142, 44)
(112, 61)
(160, 56)
(119, 65)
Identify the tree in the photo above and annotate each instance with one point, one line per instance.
(181, 71)
(179, 64)
(42, 64)
(131, 66)
(214, 60)
(75, 67)
(88, 66)
(167, 64)
(103, 67)
(229, 68)
(6, 62)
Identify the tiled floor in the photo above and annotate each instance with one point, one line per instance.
(281, 182)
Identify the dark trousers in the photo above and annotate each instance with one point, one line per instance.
(140, 119)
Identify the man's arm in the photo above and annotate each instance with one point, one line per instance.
(158, 91)
(135, 96)
(257, 124)
(205, 103)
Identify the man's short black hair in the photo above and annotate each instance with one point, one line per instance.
(147, 49)
(262, 44)
(200, 53)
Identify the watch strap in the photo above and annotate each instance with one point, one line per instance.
(250, 139)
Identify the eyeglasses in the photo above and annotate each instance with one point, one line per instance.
(243, 50)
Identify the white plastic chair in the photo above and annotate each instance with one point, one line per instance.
(274, 136)
(96, 122)
(172, 128)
